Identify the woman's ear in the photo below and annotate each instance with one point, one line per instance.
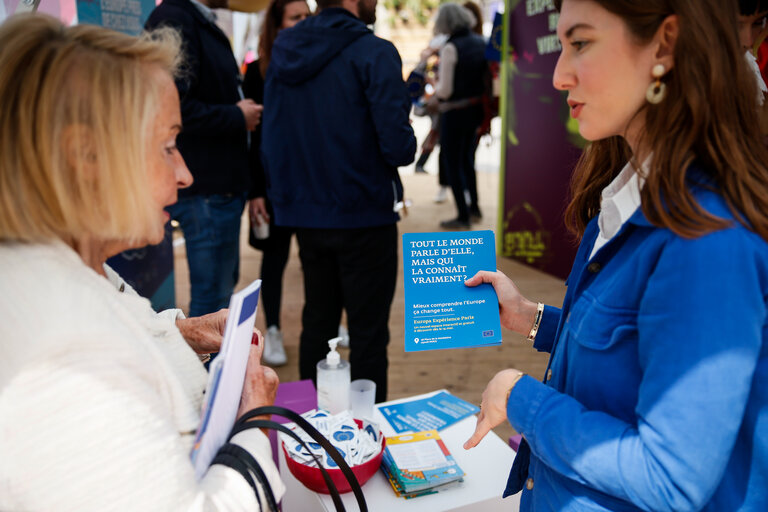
(666, 39)
(79, 149)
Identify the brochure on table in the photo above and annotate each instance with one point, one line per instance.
(225, 378)
(419, 464)
(440, 311)
(434, 412)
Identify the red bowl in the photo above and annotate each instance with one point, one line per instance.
(312, 477)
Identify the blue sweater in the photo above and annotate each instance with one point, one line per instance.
(658, 395)
(335, 126)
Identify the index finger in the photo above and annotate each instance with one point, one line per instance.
(482, 276)
(257, 346)
(481, 430)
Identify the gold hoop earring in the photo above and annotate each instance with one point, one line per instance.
(658, 89)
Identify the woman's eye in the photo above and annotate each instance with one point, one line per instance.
(578, 45)
(169, 150)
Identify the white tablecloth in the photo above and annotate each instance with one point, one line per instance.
(486, 467)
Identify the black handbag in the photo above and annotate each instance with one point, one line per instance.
(240, 460)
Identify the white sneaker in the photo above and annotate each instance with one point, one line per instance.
(274, 352)
(344, 335)
(442, 195)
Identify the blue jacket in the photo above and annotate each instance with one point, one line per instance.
(214, 140)
(658, 392)
(335, 126)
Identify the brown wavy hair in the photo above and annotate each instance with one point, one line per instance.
(709, 116)
(478, 13)
(273, 21)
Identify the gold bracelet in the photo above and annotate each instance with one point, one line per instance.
(536, 322)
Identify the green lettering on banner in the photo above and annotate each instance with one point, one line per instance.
(548, 44)
(534, 7)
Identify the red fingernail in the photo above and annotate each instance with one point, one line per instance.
(255, 339)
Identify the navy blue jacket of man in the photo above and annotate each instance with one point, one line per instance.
(213, 141)
(335, 125)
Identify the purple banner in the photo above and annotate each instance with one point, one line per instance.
(542, 144)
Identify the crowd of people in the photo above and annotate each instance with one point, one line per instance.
(656, 392)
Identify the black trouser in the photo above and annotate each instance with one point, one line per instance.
(273, 263)
(355, 270)
(458, 142)
(423, 157)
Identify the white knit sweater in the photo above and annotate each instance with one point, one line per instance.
(100, 397)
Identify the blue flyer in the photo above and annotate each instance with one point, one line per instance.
(440, 311)
(435, 412)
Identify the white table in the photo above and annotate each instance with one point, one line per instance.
(486, 467)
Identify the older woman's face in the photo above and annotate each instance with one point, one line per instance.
(166, 168)
(605, 73)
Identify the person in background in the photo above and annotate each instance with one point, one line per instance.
(752, 22)
(335, 131)
(433, 136)
(472, 7)
(281, 14)
(217, 125)
(655, 396)
(100, 396)
(460, 87)
(753, 27)
(428, 67)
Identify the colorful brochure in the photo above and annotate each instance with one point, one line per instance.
(419, 463)
(432, 413)
(440, 311)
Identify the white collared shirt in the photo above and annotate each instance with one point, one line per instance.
(619, 201)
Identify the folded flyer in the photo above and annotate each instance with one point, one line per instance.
(432, 413)
(440, 311)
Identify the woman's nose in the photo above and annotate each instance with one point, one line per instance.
(183, 176)
(563, 78)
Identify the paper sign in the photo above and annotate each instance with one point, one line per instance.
(440, 311)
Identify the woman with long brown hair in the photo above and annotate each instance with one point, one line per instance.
(655, 394)
(281, 14)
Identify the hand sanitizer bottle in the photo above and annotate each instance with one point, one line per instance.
(333, 381)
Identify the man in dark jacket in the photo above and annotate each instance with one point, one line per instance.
(214, 144)
(335, 131)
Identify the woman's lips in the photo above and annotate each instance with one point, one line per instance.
(575, 108)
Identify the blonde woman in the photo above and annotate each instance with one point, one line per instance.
(99, 396)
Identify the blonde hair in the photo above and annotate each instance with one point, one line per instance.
(78, 107)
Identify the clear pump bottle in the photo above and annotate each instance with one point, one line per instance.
(333, 380)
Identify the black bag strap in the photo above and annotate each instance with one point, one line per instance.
(253, 466)
(332, 489)
(240, 425)
(230, 461)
